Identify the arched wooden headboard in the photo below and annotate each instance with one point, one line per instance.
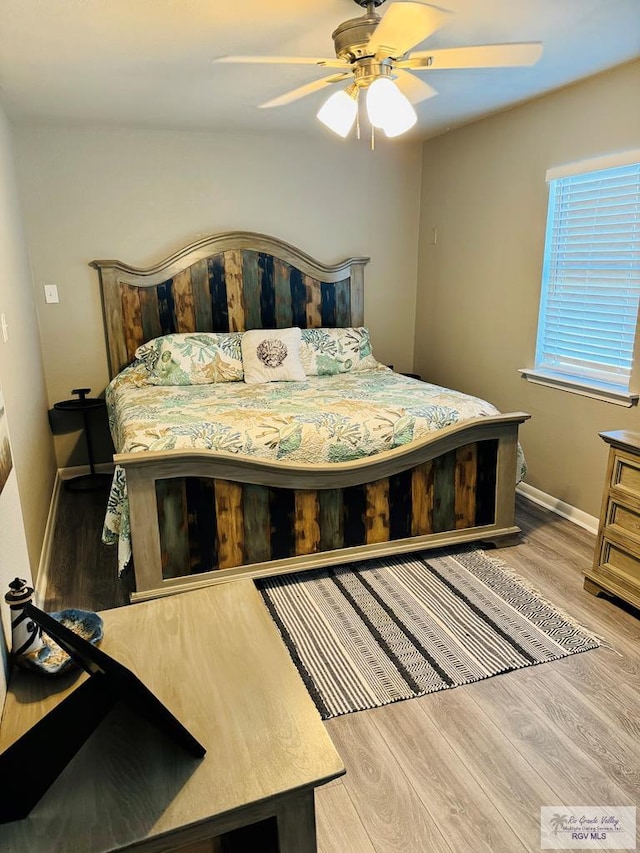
(227, 282)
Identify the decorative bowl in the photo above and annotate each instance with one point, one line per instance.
(50, 659)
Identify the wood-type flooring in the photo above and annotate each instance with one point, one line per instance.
(465, 769)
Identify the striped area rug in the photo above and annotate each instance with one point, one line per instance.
(371, 633)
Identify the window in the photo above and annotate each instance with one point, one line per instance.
(588, 318)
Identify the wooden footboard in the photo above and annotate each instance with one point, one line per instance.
(200, 517)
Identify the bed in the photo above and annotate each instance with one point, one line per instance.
(196, 500)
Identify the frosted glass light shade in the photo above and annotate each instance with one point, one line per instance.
(338, 112)
(388, 108)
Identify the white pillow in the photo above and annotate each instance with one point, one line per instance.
(272, 355)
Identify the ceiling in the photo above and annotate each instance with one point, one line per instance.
(147, 63)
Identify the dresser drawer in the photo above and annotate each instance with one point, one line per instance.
(625, 475)
(619, 563)
(623, 520)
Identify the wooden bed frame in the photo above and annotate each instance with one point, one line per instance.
(200, 517)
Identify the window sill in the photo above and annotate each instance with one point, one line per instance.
(606, 393)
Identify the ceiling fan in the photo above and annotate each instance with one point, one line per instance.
(373, 52)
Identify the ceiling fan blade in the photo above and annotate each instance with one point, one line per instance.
(284, 60)
(302, 91)
(479, 56)
(413, 87)
(404, 25)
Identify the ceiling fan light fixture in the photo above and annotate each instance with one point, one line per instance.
(400, 122)
(388, 109)
(339, 111)
(377, 54)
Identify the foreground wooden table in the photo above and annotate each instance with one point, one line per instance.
(216, 660)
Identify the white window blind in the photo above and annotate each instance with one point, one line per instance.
(591, 276)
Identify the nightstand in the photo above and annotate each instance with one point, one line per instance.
(616, 567)
(84, 405)
(128, 788)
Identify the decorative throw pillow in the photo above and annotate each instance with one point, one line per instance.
(272, 355)
(325, 352)
(193, 358)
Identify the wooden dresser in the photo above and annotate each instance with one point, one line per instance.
(616, 567)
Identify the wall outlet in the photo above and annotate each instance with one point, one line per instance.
(51, 293)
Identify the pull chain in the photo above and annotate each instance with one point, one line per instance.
(373, 138)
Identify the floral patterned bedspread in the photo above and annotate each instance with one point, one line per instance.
(323, 419)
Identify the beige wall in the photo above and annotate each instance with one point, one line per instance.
(21, 369)
(24, 502)
(140, 195)
(478, 288)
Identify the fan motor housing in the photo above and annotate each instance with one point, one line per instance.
(351, 38)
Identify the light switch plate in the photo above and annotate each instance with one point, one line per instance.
(51, 293)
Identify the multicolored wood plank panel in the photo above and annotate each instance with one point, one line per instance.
(230, 292)
(216, 524)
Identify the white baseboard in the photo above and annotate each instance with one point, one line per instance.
(42, 578)
(82, 470)
(582, 519)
